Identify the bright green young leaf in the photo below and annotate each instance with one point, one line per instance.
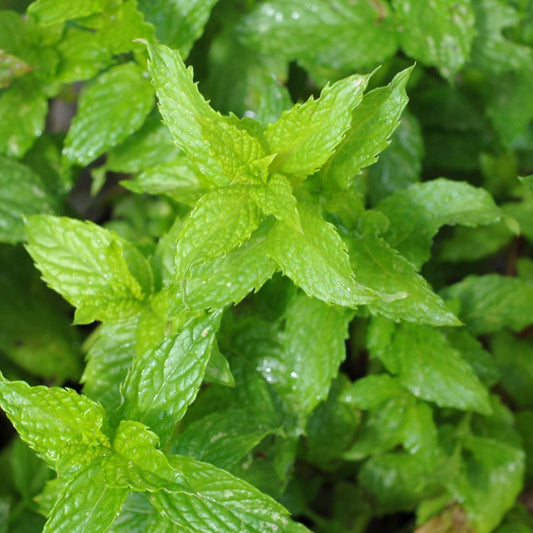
(86, 502)
(48, 12)
(492, 50)
(489, 481)
(438, 33)
(313, 349)
(316, 260)
(400, 165)
(220, 221)
(219, 146)
(373, 123)
(217, 501)
(227, 279)
(163, 382)
(111, 350)
(276, 198)
(222, 438)
(23, 108)
(22, 192)
(382, 268)
(138, 515)
(305, 137)
(491, 302)
(178, 23)
(63, 427)
(326, 38)
(177, 179)
(11, 67)
(429, 367)
(417, 213)
(527, 181)
(111, 107)
(218, 369)
(89, 266)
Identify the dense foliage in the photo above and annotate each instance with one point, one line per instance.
(269, 294)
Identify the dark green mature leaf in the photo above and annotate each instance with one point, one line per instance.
(22, 192)
(63, 427)
(400, 164)
(222, 438)
(492, 50)
(326, 37)
(417, 213)
(316, 260)
(178, 23)
(489, 481)
(111, 107)
(220, 221)
(48, 12)
(89, 266)
(163, 382)
(219, 146)
(491, 302)
(305, 137)
(514, 358)
(373, 123)
(86, 502)
(428, 366)
(23, 108)
(111, 350)
(382, 268)
(313, 349)
(217, 501)
(438, 33)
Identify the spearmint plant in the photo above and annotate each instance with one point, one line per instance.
(246, 286)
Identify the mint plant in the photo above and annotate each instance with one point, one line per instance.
(274, 273)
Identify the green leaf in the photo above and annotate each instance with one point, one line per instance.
(492, 50)
(111, 107)
(35, 330)
(316, 260)
(48, 12)
(428, 366)
(137, 463)
(305, 136)
(400, 165)
(489, 481)
(64, 428)
(22, 192)
(527, 181)
(178, 23)
(417, 213)
(85, 503)
(163, 382)
(373, 123)
(89, 266)
(220, 221)
(222, 438)
(438, 33)
(111, 349)
(218, 369)
(227, 279)
(383, 269)
(514, 359)
(150, 146)
(276, 198)
(11, 67)
(220, 146)
(217, 501)
(177, 179)
(313, 349)
(491, 302)
(23, 108)
(327, 38)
